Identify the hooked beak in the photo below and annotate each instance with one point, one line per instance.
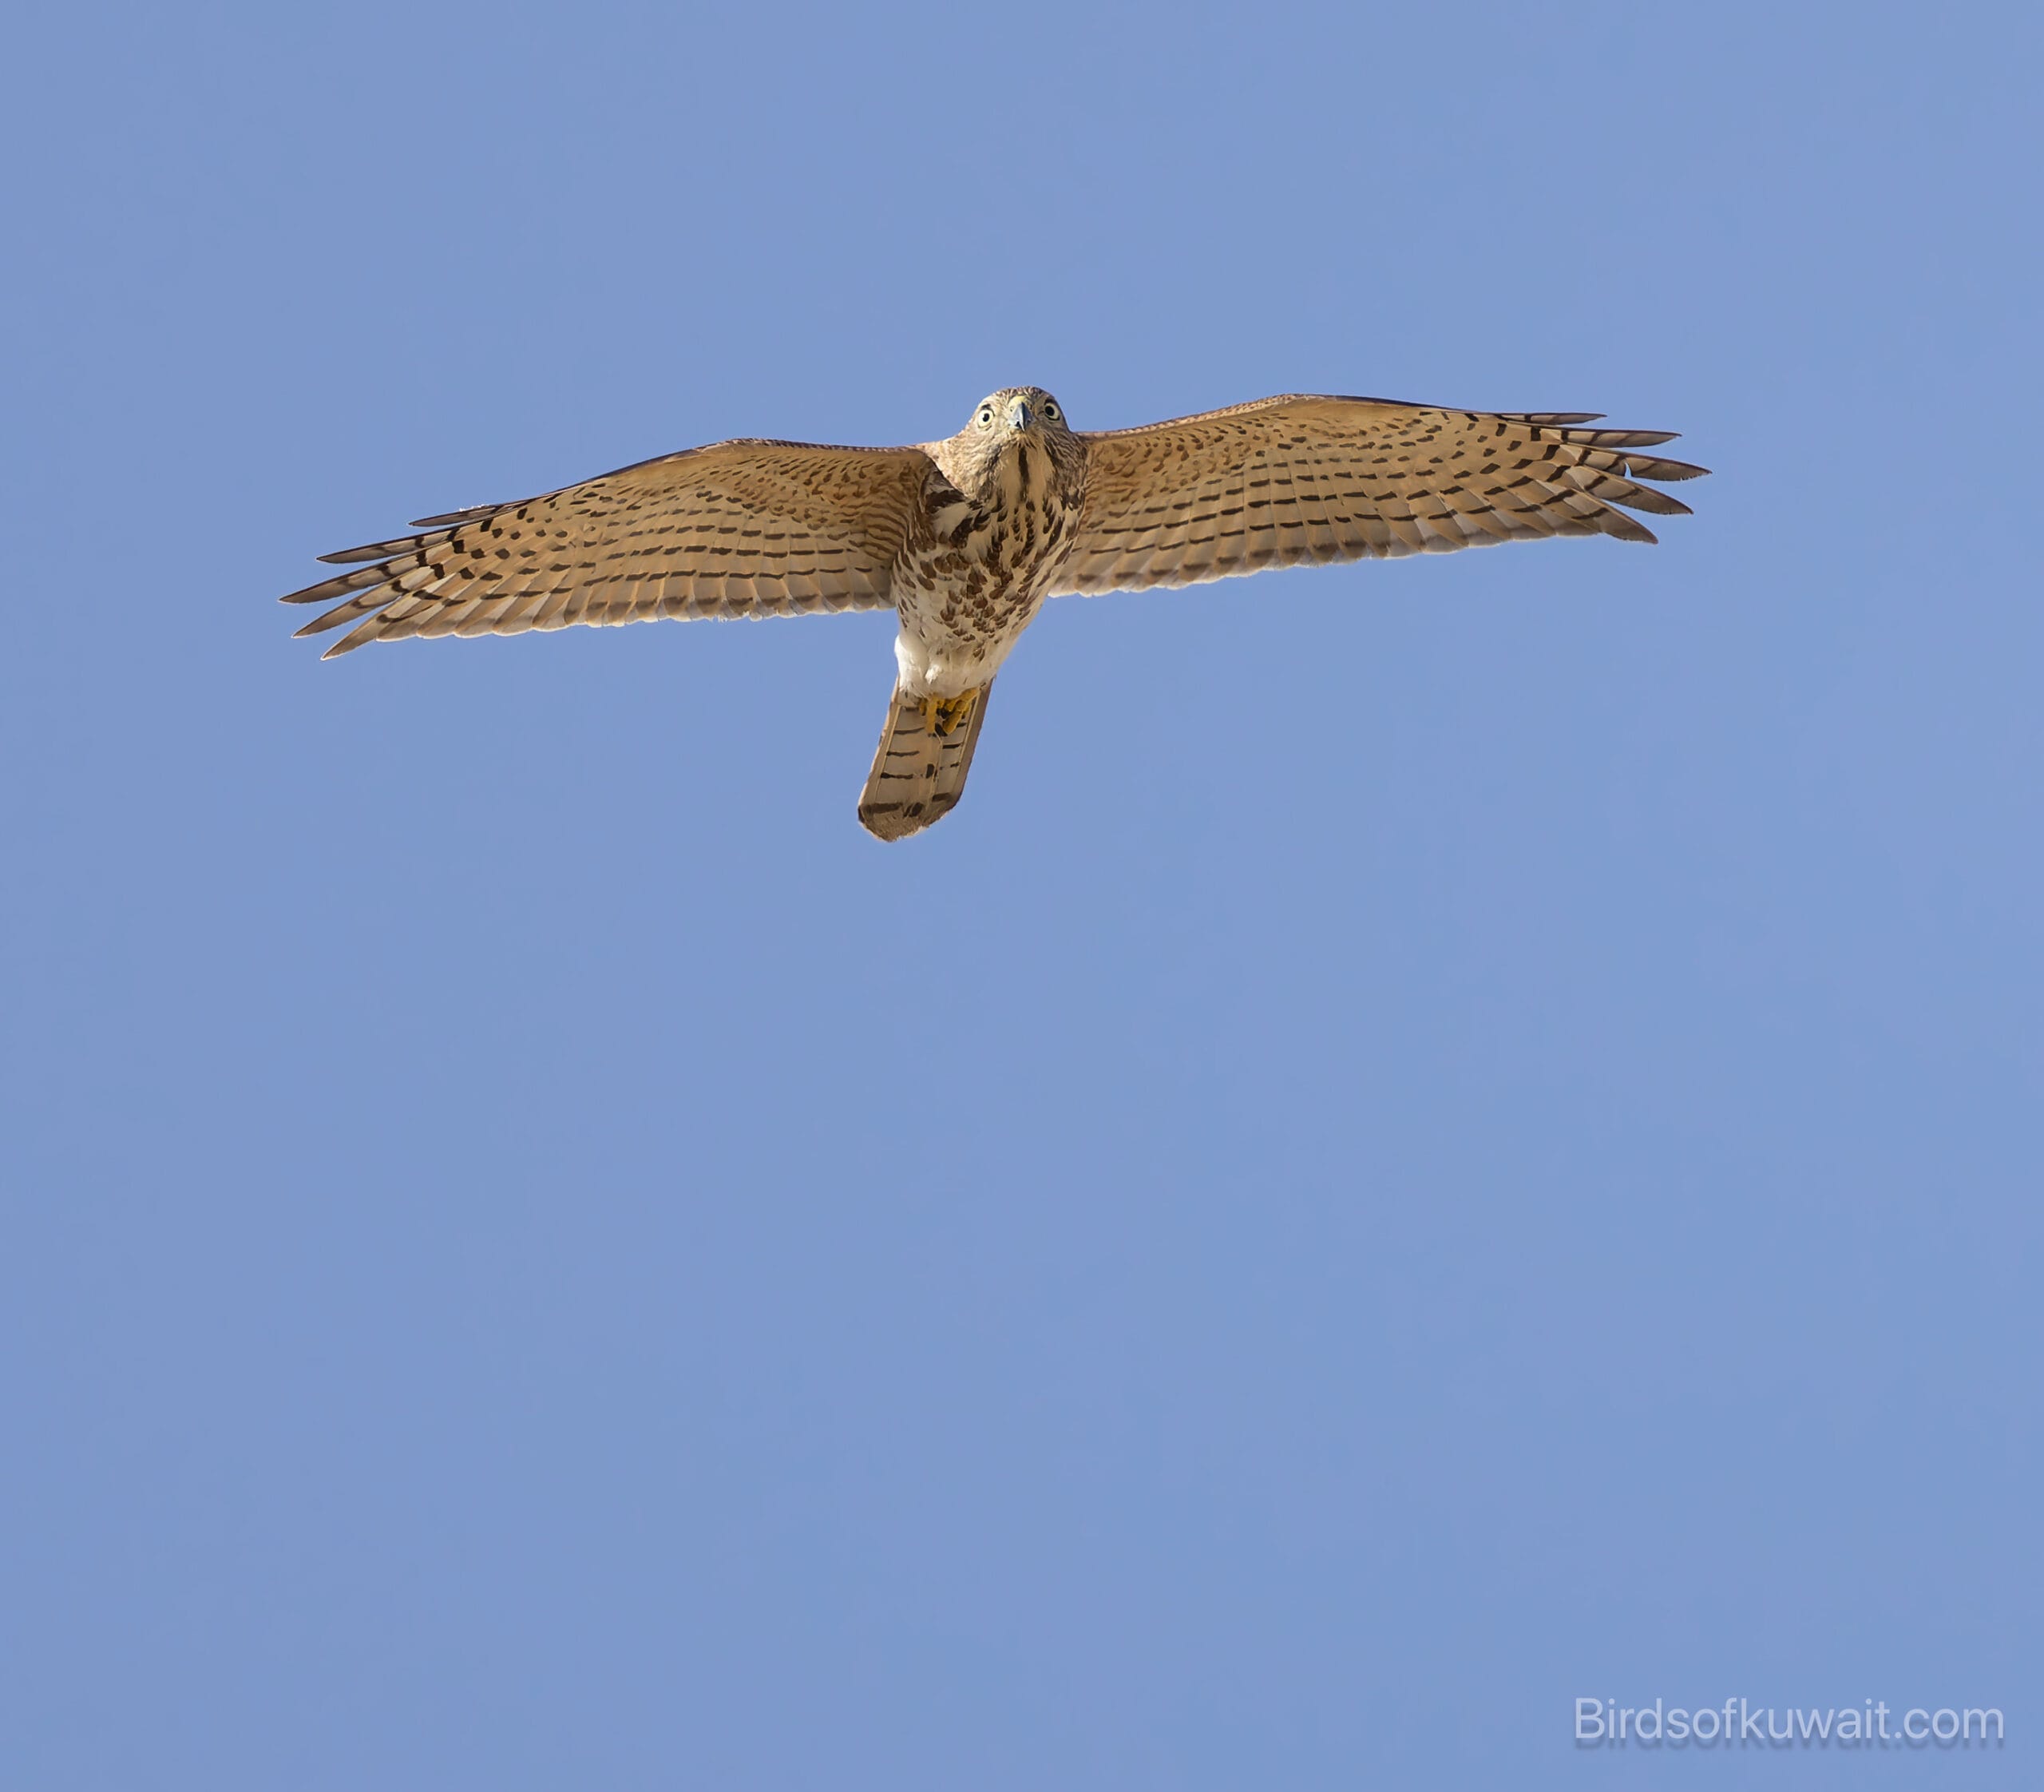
(1020, 416)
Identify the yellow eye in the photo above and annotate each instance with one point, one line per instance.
(986, 416)
(1051, 409)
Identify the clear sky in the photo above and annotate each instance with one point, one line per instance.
(534, 1254)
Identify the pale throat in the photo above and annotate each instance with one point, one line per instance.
(1011, 476)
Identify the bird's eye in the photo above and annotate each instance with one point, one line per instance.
(986, 416)
(1051, 409)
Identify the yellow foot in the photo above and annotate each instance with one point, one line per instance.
(942, 715)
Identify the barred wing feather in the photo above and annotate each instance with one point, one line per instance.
(1302, 479)
(738, 528)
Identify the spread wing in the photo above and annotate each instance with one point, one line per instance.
(737, 529)
(1289, 481)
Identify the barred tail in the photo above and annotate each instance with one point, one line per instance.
(919, 773)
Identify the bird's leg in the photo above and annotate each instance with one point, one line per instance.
(942, 715)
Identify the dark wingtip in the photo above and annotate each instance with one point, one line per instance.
(1653, 467)
(341, 585)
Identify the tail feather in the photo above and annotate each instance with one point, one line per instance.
(918, 775)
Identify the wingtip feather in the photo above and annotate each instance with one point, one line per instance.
(449, 518)
(340, 585)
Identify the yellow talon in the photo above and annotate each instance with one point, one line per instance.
(942, 715)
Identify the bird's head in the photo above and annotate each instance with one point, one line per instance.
(1018, 411)
(1007, 434)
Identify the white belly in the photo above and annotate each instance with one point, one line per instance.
(936, 658)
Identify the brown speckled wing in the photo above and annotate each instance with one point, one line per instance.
(738, 528)
(1295, 480)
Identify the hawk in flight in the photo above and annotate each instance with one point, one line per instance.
(964, 538)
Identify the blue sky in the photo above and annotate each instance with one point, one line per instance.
(533, 1253)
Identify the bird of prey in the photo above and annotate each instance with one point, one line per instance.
(964, 538)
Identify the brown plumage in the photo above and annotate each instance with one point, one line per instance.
(965, 538)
